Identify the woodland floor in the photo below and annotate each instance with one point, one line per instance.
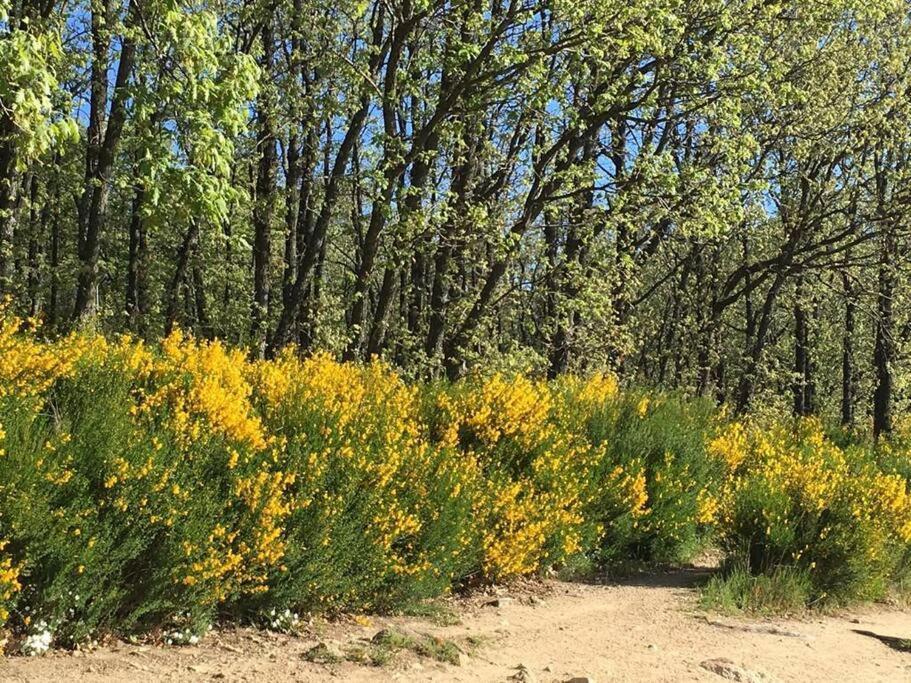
(644, 629)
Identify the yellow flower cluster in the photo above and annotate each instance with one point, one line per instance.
(9, 582)
(27, 367)
(730, 445)
(538, 466)
(501, 408)
(708, 508)
(206, 387)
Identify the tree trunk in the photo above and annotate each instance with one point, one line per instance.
(98, 174)
(392, 171)
(33, 265)
(383, 304)
(53, 306)
(747, 385)
(315, 242)
(884, 350)
(136, 265)
(9, 181)
(172, 303)
(292, 216)
(203, 321)
(848, 390)
(265, 198)
(439, 289)
(803, 400)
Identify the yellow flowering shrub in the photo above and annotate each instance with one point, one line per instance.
(388, 512)
(730, 445)
(547, 491)
(515, 536)
(9, 582)
(200, 393)
(500, 409)
(660, 443)
(28, 367)
(205, 387)
(798, 499)
(153, 486)
(528, 498)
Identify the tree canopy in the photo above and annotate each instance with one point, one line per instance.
(708, 195)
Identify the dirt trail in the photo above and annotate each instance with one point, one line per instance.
(643, 630)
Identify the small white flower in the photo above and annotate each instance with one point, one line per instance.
(38, 642)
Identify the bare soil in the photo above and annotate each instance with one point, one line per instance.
(644, 629)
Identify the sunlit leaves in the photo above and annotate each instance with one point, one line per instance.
(30, 57)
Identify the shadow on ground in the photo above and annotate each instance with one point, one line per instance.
(676, 577)
(897, 644)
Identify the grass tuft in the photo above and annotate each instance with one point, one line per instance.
(786, 590)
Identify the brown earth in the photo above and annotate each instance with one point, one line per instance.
(647, 629)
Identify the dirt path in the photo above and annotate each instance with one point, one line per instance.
(644, 630)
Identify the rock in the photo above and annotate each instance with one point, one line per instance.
(380, 636)
(523, 675)
(770, 629)
(389, 635)
(324, 652)
(653, 647)
(580, 679)
(732, 672)
(463, 659)
(499, 602)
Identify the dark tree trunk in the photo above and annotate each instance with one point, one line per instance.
(392, 171)
(439, 289)
(98, 172)
(33, 266)
(383, 304)
(308, 323)
(747, 385)
(884, 350)
(315, 245)
(803, 381)
(263, 209)
(293, 193)
(357, 313)
(136, 303)
(848, 390)
(703, 350)
(53, 306)
(292, 215)
(172, 303)
(669, 343)
(203, 321)
(562, 280)
(9, 181)
(413, 301)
